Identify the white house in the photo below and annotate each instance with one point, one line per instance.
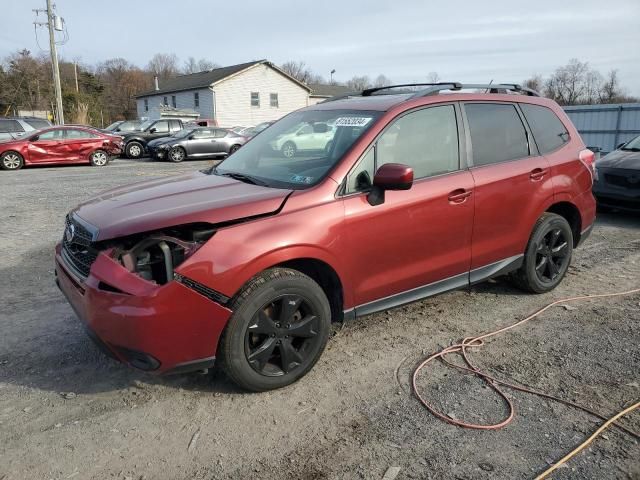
(245, 94)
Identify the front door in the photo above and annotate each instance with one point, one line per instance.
(48, 147)
(512, 184)
(418, 242)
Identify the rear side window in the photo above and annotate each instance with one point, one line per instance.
(36, 123)
(497, 133)
(161, 127)
(10, 126)
(548, 131)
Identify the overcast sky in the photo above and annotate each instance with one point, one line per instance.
(465, 40)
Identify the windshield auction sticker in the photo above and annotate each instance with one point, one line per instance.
(352, 121)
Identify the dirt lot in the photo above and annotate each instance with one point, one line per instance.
(66, 411)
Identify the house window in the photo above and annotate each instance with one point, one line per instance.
(146, 104)
(173, 101)
(165, 103)
(255, 99)
(196, 100)
(273, 100)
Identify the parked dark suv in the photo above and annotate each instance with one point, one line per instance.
(617, 184)
(136, 142)
(247, 263)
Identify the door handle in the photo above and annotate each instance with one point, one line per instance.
(459, 195)
(537, 174)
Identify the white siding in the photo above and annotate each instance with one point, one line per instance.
(184, 100)
(233, 97)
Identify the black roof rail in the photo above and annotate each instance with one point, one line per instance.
(489, 87)
(434, 88)
(369, 91)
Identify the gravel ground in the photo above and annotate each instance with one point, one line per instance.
(66, 411)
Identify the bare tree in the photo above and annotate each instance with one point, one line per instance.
(433, 77)
(298, 70)
(164, 65)
(191, 65)
(358, 84)
(382, 81)
(567, 85)
(535, 82)
(611, 91)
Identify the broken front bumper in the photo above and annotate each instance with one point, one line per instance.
(160, 328)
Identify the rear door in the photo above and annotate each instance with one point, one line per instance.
(512, 184)
(78, 145)
(418, 240)
(10, 128)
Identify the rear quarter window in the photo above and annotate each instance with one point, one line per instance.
(37, 124)
(10, 126)
(548, 131)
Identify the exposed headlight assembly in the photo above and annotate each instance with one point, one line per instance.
(154, 257)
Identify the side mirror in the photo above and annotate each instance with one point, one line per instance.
(621, 145)
(390, 176)
(299, 133)
(152, 130)
(34, 138)
(191, 137)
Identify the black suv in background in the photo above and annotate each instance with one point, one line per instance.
(135, 143)
(617, 178)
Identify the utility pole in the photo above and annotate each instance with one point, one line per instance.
(53, 23)
(75, 72)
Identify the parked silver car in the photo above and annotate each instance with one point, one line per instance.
(13, 127)
(196, 143)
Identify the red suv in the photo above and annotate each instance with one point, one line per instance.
(388, 199)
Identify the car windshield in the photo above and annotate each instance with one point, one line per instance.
(299, 150)
(114, 125)
(633, 145)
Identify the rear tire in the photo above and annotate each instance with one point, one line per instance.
(278, 330)
(548, 255)
(99, 158)
(134, 150)
(11, 161)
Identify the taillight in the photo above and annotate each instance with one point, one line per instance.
(587, 157)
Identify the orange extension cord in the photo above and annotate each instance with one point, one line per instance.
(476, 342)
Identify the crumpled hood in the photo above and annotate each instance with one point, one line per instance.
(191, 198)
(620, 159)
(159, 141)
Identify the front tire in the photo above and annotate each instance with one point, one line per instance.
(547, 256)
(233, 149)
(99, 158)
(11, 161)
(278, 330)
(177, 154)
(134, 150)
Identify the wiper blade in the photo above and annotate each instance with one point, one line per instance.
(634, 149)
(243, 178)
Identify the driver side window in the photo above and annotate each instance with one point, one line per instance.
(161, 127)
(425, 140)
(51, 135)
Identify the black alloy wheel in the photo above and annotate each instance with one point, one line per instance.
(282, 335)
(548, 255)
(552, 254)
(278, 330)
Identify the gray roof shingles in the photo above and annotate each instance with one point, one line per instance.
(198, 80)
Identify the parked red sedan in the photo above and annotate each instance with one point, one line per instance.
(60, 145)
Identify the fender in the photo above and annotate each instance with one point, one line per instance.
(135, 138)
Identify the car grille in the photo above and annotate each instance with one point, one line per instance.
(79, 252)
(627, 181)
